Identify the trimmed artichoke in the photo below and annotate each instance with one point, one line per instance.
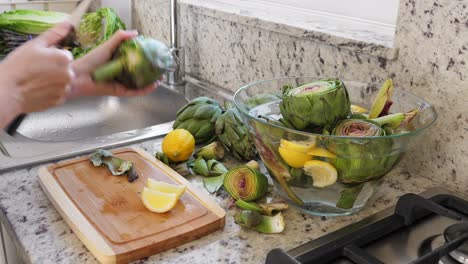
(245, 183)
(318, 104)
(137, 63)
(361, 160)
(199, 117)
(234, 135)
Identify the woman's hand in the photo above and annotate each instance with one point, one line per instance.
(83, 84)
(36, 75)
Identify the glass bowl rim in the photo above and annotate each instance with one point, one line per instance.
(418, 130)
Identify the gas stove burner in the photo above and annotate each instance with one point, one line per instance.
(432, 243)
(454, 232)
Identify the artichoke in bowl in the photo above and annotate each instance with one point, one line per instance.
(317, 104)
(366, 155)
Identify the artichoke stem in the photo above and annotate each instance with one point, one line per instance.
(108, 71)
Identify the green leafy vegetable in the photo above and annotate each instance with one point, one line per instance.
(95, 28)
(30, 21)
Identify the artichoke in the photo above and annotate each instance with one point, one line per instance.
(360, 160)
(137, 63)
(199, 117)
(318, 104)
(234, 135)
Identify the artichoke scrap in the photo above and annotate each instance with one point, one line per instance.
(199, 117)
(137, 63)
(115, 165)
(314, 105)
(359, 159)
(260, 223)
(235, 135)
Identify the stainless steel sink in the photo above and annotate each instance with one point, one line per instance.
(83, 125)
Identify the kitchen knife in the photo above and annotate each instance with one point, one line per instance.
(69, 41)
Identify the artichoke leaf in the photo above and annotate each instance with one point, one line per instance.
(213, 184)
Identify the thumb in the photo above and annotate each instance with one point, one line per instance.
(54, 35)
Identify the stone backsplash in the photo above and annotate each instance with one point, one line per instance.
(432, 43)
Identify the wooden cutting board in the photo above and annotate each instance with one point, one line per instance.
(108, 216)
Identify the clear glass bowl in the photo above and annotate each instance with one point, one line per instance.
(361, 162)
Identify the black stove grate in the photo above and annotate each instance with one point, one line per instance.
(409, 209)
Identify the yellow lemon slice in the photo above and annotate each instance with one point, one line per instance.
(165, 187)
(320, 152)
(158, 202)
(293, 158)
(299, 146)
(323, 173)
(356, 109)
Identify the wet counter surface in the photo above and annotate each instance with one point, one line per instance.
(41, 235)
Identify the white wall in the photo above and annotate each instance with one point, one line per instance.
(123, 9)
(381, 11)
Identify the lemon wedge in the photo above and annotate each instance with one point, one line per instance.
(356, 109)
(320, 152)
(323, 173)
(158, 202)
(165, 187)
(293, 158)
(299, 146)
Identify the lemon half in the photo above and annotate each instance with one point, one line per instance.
(299, 146)
(293, 158)
(320, 152)
(165, 187)
(158, 202)
(323, 173)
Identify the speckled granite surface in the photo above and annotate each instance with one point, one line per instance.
(229, 49)
(43, 237)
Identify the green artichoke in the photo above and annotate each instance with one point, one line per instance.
(234, 135)
(361, 160)
(199, 117)
(137, 63)
(318, 104)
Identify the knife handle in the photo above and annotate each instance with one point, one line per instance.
(13, 126)
(70, 41)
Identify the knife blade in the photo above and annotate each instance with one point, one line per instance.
(70, 40)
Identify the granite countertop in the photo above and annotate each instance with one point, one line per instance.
(43, 237)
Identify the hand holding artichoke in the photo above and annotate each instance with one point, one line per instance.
(137, 63)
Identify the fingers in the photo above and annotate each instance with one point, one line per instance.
(54, 35)
(120, 36)
(103, 52)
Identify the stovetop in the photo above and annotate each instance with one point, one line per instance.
(412, 231)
